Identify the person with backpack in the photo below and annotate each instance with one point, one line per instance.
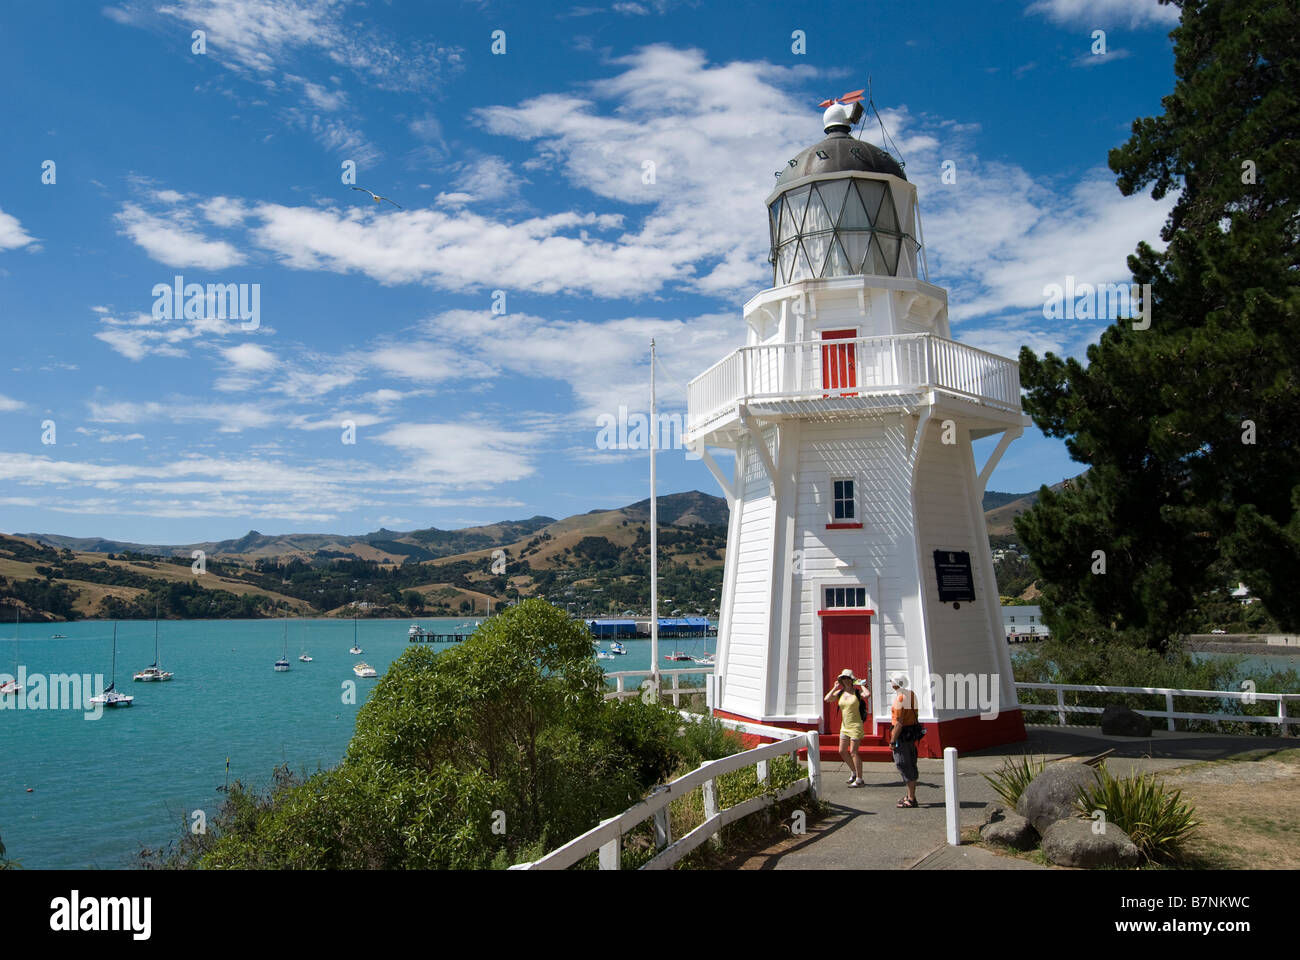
(853, 716)
(903, 736)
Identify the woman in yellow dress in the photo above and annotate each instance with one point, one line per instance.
(853, 703)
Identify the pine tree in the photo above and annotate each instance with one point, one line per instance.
(1191, 428)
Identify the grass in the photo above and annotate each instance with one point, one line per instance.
(1010, 779)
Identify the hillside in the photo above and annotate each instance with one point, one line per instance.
(594, 563)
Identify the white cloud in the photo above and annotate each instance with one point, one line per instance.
(12, 234)
(173, 239)
(249, 356)
(9, 404)
(1102, 13)
(464, 454)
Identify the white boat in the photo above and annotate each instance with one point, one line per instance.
(364, 669)
(356, 648)
(604, 655)
(707, 659)
(304, 658)
(13, 686)
(153, 671)
(282, 665)
(110, 697)
(617, 648)
(414, 632)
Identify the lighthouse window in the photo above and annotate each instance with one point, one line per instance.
(842, 501)
(846, 597)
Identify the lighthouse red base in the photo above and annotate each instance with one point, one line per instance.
(967, 734)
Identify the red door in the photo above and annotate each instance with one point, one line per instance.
(839, 361)
(846, 642)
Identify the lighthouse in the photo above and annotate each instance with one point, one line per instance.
(856, 536)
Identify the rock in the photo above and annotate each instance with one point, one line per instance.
(992, 812)
(1050, 796)
(1072, 843)
(1117, 721)
(1008, 829)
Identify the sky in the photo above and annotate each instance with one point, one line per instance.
(444, 359)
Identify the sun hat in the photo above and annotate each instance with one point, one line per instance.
(898, 679)
(846, 672)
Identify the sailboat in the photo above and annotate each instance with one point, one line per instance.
(153, 671)
(110, 697)
(356, 649)
(13, 686)
(304, 657)
(282, 664)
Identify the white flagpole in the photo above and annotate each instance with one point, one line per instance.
(654, 532)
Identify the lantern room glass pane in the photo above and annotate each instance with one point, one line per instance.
(871, 191)
(788, 229)
(854, 216)
(816, 247)
(774, 218)
(887, 218)
(784, 260)
(875, 262)
(833, 192)
(837, 264)
(797, 202)
(801, 269)
(889, 251)
(855, 247)
(816, 219)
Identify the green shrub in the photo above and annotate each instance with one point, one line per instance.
(1010, 779)
(1155, 818)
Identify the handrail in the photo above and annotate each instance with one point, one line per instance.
(607, 836)
(620, 691)
(881, 365)
(1061, 708)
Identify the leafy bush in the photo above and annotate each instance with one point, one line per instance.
(1010, 779)
(480, 756)
(1156, 820)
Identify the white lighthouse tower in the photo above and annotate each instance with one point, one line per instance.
(857, 536)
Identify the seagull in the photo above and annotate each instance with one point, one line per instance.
(376, 197)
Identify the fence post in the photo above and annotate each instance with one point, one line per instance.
(814, 764)
(1281, 712)
(710, 790)
(762, 771)
(1169, 707)
(951, 805)
(663, 823)
(1060, 705)
(611, 853)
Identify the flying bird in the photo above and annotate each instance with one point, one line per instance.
(376, 197)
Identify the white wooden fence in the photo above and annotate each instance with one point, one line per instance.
(676, 691)
(608, 836)
(1060, 708)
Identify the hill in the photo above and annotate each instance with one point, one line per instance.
(595, 563)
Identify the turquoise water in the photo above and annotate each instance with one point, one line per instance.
(101, 789)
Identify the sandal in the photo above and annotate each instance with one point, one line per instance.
(906, 803)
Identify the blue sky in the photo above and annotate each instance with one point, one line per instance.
(519, 172)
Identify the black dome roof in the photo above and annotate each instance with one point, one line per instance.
(840, 152)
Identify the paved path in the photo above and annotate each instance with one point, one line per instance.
(865, 830)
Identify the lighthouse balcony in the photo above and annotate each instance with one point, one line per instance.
(851, 378)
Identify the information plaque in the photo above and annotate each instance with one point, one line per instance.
(953, 574)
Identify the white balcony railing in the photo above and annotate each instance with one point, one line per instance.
(864, 366)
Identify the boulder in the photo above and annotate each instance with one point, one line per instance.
(1117, 721)
(1008, 829)
(1078, 842)
(1050, 796)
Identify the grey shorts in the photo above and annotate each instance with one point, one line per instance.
(905, 760)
